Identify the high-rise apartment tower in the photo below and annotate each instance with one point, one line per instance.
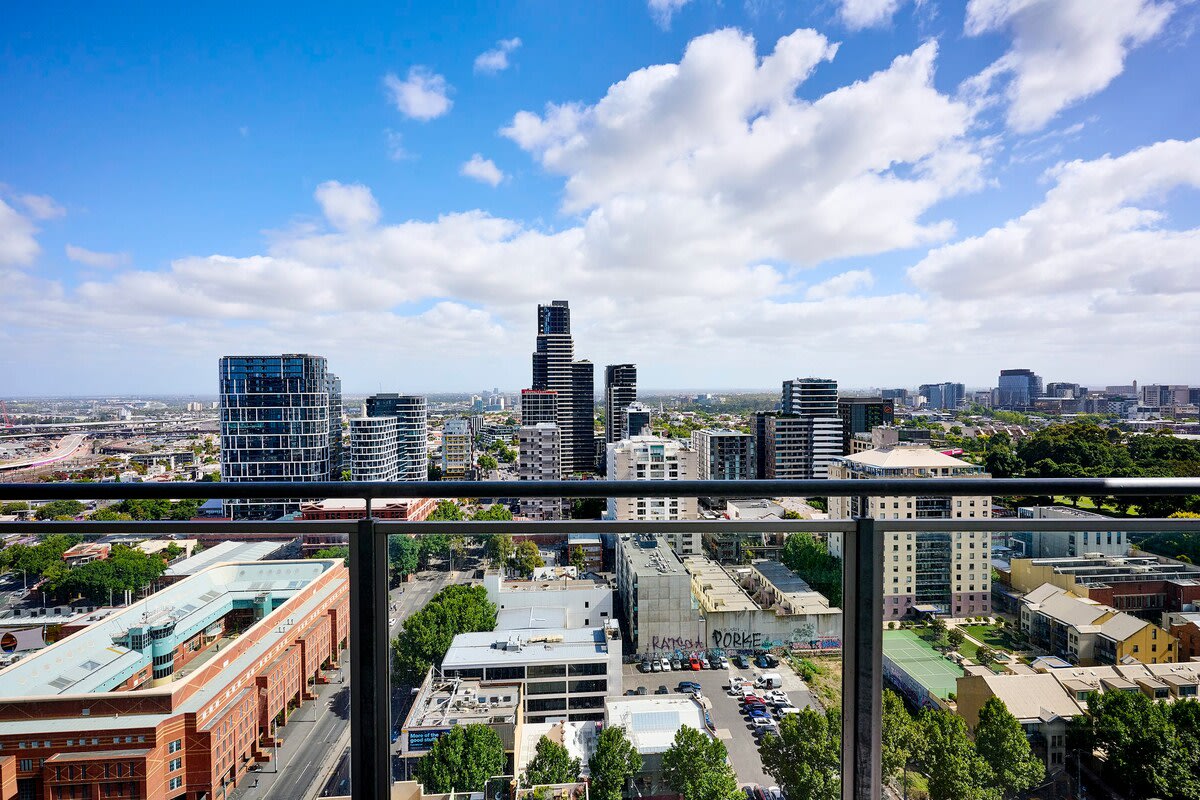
(620, 389)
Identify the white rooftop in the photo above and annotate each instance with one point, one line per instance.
(219, 553)
(526, 646)
(906, 458)
(651, 722)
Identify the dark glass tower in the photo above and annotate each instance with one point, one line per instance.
(412, 430)
(280, 421)
(555, 370)
(620, 389)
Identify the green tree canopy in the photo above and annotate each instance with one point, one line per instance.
(1143, 756)
(500, 548)
(805, 758)
(526, 558)
(496, 512)
(487, 461)
(901, 737)
(446, 511)
(955, 637)
(462, 760)
(402, 554)
(59, 508)
(427, 634)
(954, 767)
(613, 763)
(342, 552)
(578, 559)
(1002, 744)
(696, 767)
(551, 763)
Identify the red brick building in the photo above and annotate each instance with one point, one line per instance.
(178, 695)
(414, 510)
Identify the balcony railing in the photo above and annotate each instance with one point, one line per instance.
(863, 551)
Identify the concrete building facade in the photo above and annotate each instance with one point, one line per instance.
(458, 450)
(723, 455)
(539, 458)
(654, 591)
(374, 449)
(1056, 544)
(655, 458)
(412, 431)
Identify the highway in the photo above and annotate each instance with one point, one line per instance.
(67, 446)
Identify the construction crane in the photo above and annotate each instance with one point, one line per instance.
(7, 421)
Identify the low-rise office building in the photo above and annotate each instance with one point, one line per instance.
(564, 673)
(1086, 632)
(139, 704)
(650, 724)
(442, 704)
(1056, 544)
(583, 603)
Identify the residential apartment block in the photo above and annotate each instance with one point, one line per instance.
(458, 450)
(723, 455)
(654, 458)
(950, 571)
(620, 389)
(412, 432)
(539, 458)
(1086, 632)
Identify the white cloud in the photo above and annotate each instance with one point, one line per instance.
(395, 145)
(859, 14)
(841, 285)
(41, 206)
(422, 95)
(347, 206)
(663, 10)
(495, 60)
(18, 243)
(1062, 50)
(1095, 242)
(93, 258)
(483, 170)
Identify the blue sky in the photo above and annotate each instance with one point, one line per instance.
(882, 191)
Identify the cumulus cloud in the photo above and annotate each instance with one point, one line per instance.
(663, 10)
(495, 60)
(841, 285)
(1096, 241)
(1062, 50)
(93, 258)
(483, 170)
(859, 14)
(422, 95)
(41, 206)
(18, 241)
(347, 206)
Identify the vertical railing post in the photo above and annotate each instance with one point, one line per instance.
(862, 661)
(370, 687)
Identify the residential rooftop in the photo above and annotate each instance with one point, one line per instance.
(651, 722)
(714, 588)
(526, 646)
(223, 552)
(445, 703)
(650, 555)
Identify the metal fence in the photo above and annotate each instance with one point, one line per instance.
(862, 604)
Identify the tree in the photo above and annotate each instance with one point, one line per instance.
(109, 515)
(488, 462)
(1001, 462)
(551, 763)
(985, 656)
(900, 735)
(342, 552)
(939, 629)
(612, 764)
(526, 558)
(578, 559)
(446, 511)
(462, 760)
(955, 769)
(60, 508)
(427, 634)
(805, 758)
(402, 553)
(696, 766)
(1002, 744)
(13, 508)
(493, 513)
(1142, 753)
(347, 475)
(500, 549)
(955, 637)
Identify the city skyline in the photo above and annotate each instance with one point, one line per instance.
(711, 186)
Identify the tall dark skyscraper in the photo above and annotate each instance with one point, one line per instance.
(860, 414)
(620, 389)
(554, 369)
(412, 431)
(280, 421)
(1018, 388)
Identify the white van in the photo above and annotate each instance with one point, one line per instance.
(769, 680)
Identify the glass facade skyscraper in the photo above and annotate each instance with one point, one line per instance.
(280, 421)
(620, 389)
(412, 431)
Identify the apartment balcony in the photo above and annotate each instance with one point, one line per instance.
(370, 712)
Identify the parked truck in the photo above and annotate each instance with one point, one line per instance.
(769, 680)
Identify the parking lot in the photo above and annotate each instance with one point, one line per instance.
(734, 729)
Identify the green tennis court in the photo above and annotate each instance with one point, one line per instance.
(921, 662)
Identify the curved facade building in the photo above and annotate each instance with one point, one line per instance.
(412, 432)
(373, 449)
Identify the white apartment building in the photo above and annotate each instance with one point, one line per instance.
(374, 449)
(569, 602)
(951, 571)
(458, 451)
(539, 449)
(645, 458)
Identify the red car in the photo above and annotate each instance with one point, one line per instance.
(753, 699)
(695, 664)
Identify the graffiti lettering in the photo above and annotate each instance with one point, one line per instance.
(799, 639)
(737, 640)
(661, 643)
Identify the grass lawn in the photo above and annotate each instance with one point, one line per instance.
(1089, 504)
(993, 637)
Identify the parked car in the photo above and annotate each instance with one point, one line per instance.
(760, 793)
(694, 663)
(751, 699)
(645, 667)
(757, 712)
(676, 664)
(656, 666)
(703, 663)
(689, 686)
(662, 690)
(742, 662)
(769, 680)
(642, 690)
(666, 664)
(750, 792)
(778, 696)
(775, 793)
(783, 711)
(762, 663)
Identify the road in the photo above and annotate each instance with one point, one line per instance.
(316, 738)
(67, 446)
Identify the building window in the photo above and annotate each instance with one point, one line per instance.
(176, 763)
(175, 746)
(175, 783)
(26, 764)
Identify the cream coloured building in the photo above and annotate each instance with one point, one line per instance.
(949, 570)
(655, 458)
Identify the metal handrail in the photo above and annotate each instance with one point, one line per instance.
(862, 565)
